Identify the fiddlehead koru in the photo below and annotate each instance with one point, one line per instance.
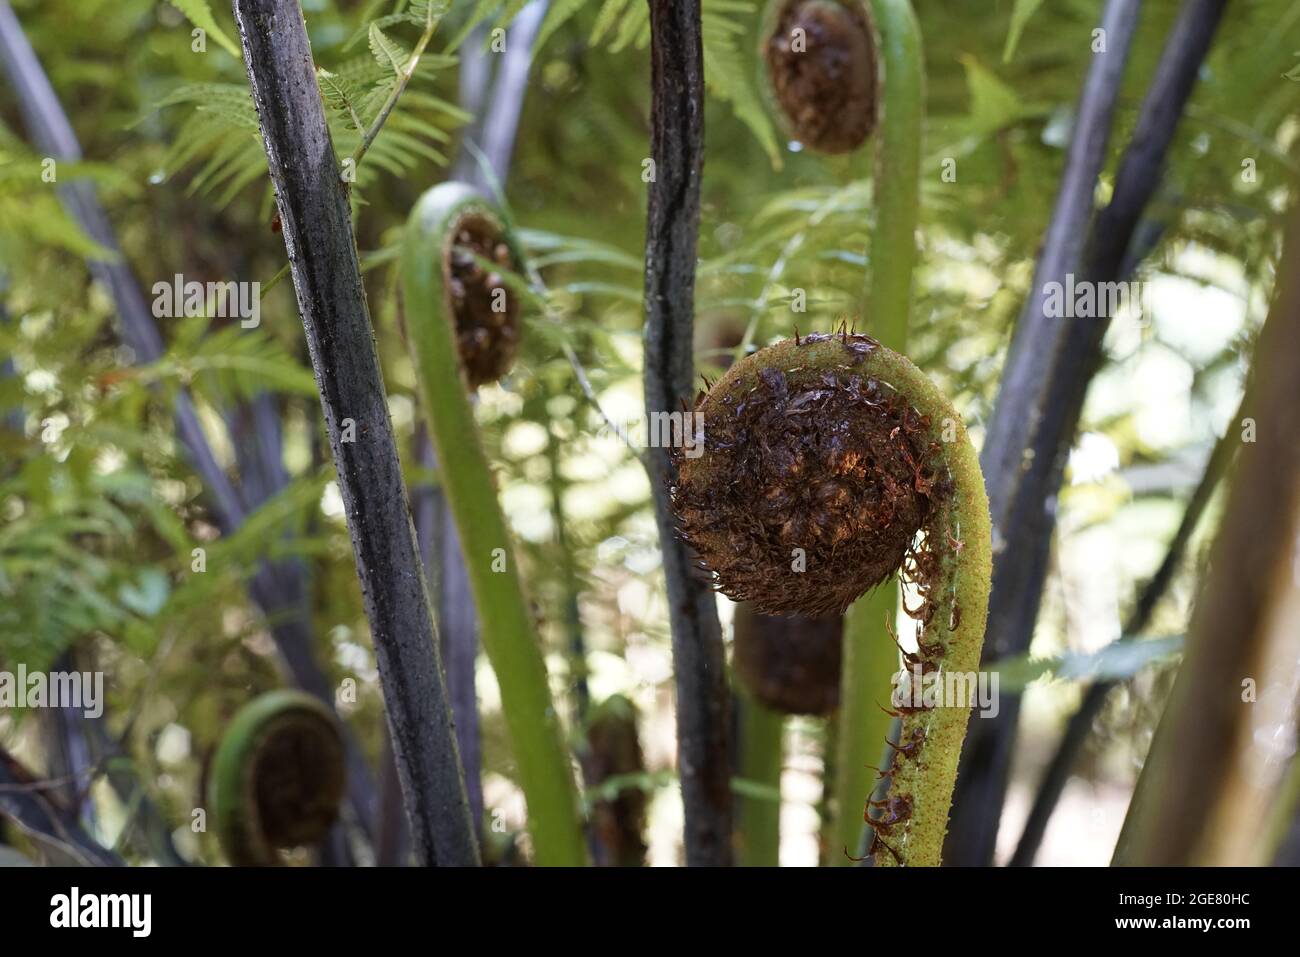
(277, 778)
(829, 463)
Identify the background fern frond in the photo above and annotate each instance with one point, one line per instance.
(199, 13)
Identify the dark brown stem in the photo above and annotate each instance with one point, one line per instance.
(317, 228)
(1080, 725)
(1033, 425)
(154, 829)
(672, 232)
(1242, 632)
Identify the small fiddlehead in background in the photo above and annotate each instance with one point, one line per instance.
(830, 463)
(790, 665)
(615, 767)
(278, 777)
(821, 71)
(475, 252)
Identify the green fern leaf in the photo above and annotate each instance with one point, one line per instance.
(199, 13)
(389, 54)
(340, 94)
(728, 74)
(560, 13)
(611, 13)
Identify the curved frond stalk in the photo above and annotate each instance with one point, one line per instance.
(951, 625)
(509, 636)
(831, 463)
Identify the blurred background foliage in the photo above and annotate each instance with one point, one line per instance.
(100, 511)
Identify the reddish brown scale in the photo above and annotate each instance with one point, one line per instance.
(922, 659)
(903, 710)
(918, 612)
(909, 748)
(486, 313)
(932, 652)
(898, 810)
(877, 842)
(881, 774)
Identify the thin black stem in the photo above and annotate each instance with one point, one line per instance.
(317, 228)
(69, 754)
(1080, 724)
(1038, 412)
(444, 566)
(672, 232)
(154, 829)
(572, 588)
(458, 619)
(392, 842)
(33, 806)
(1022, 391)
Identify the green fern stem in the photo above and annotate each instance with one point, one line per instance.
(863, 726)
(888, 292)
(761, 752)
(868, 659)
(508, 633)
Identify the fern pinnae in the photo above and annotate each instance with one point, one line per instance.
(339, 94)
(560, 13)
(199, 13)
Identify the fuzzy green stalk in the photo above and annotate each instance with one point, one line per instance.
(959, 531)
(758, 823)
(952, 572)
(508, 634)
(869, 658)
